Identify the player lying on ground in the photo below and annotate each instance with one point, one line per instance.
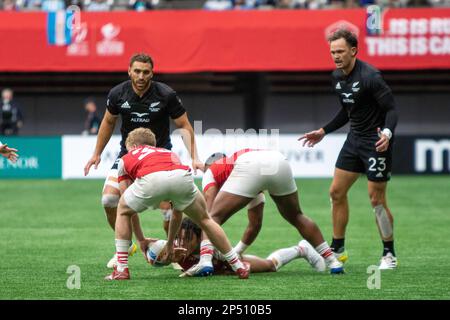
(147, 176)
(233, 182)
(189, 238)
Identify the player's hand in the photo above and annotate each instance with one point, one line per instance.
(179, 254)
(144, 244)
(94, 161)
(312, 138)
(383, 143)
(166, 254)
(197, 164)
(9, 153)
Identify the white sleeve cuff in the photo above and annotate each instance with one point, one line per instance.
(387, 133)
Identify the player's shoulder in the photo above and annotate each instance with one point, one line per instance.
(121, 88)
(163, 89)
(367, 71)
(336, 75)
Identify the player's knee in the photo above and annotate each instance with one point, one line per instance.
(337, 195)
(110, 200)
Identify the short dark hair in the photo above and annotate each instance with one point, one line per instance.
(214, 157)
(141, 57)
(349, 37)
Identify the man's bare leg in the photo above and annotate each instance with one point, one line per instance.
(341, 184)
(110, 201)
(384, 221)
(123, 234)
(289, 207)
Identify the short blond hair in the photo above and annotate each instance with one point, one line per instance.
(139, 137)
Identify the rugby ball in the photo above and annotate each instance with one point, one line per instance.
(153, 253)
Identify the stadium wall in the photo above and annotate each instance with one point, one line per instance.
(420, 112)
(64, 157)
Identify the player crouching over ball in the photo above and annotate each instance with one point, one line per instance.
(147, 176)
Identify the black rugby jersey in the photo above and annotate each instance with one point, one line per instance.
(366, 100)
(154, 110)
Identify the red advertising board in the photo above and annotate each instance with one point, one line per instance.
(195, 40)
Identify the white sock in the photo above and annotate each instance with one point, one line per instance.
(122, 253)
(167, 214)
(233, 260)
(282, 257)
(325, 251)
(240, 247)
(206, 252)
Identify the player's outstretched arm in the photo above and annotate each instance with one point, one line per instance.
(255, 218)
(312, 138)
(104, 134)
(174, 226)
(9, 153)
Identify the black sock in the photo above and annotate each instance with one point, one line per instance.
(388, 246)
(337, 244)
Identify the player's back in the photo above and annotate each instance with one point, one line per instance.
(221, 169)
(144, 160)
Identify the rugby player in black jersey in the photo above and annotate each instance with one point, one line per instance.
(140, 102)
(368, 104)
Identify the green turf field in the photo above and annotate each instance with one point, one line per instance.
(48, 225)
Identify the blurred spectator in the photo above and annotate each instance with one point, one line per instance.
(10, 5)
(30, 4)
(419, 3)
(10, 115)
(53, 5)
(366, 3)
(98, 5)
(392, 3)
(218, 5)
(336, 4)
(231, 4)
(245, 4)
(143, 5)
(78, 3)
(92, 123)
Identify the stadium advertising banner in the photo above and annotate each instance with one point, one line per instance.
(77, 150)
(422, 155)
(244, 40)
(306, 162)
(38, 158)
(66, 156)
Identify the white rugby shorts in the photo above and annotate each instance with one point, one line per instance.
(148, 191)
(260, 170)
